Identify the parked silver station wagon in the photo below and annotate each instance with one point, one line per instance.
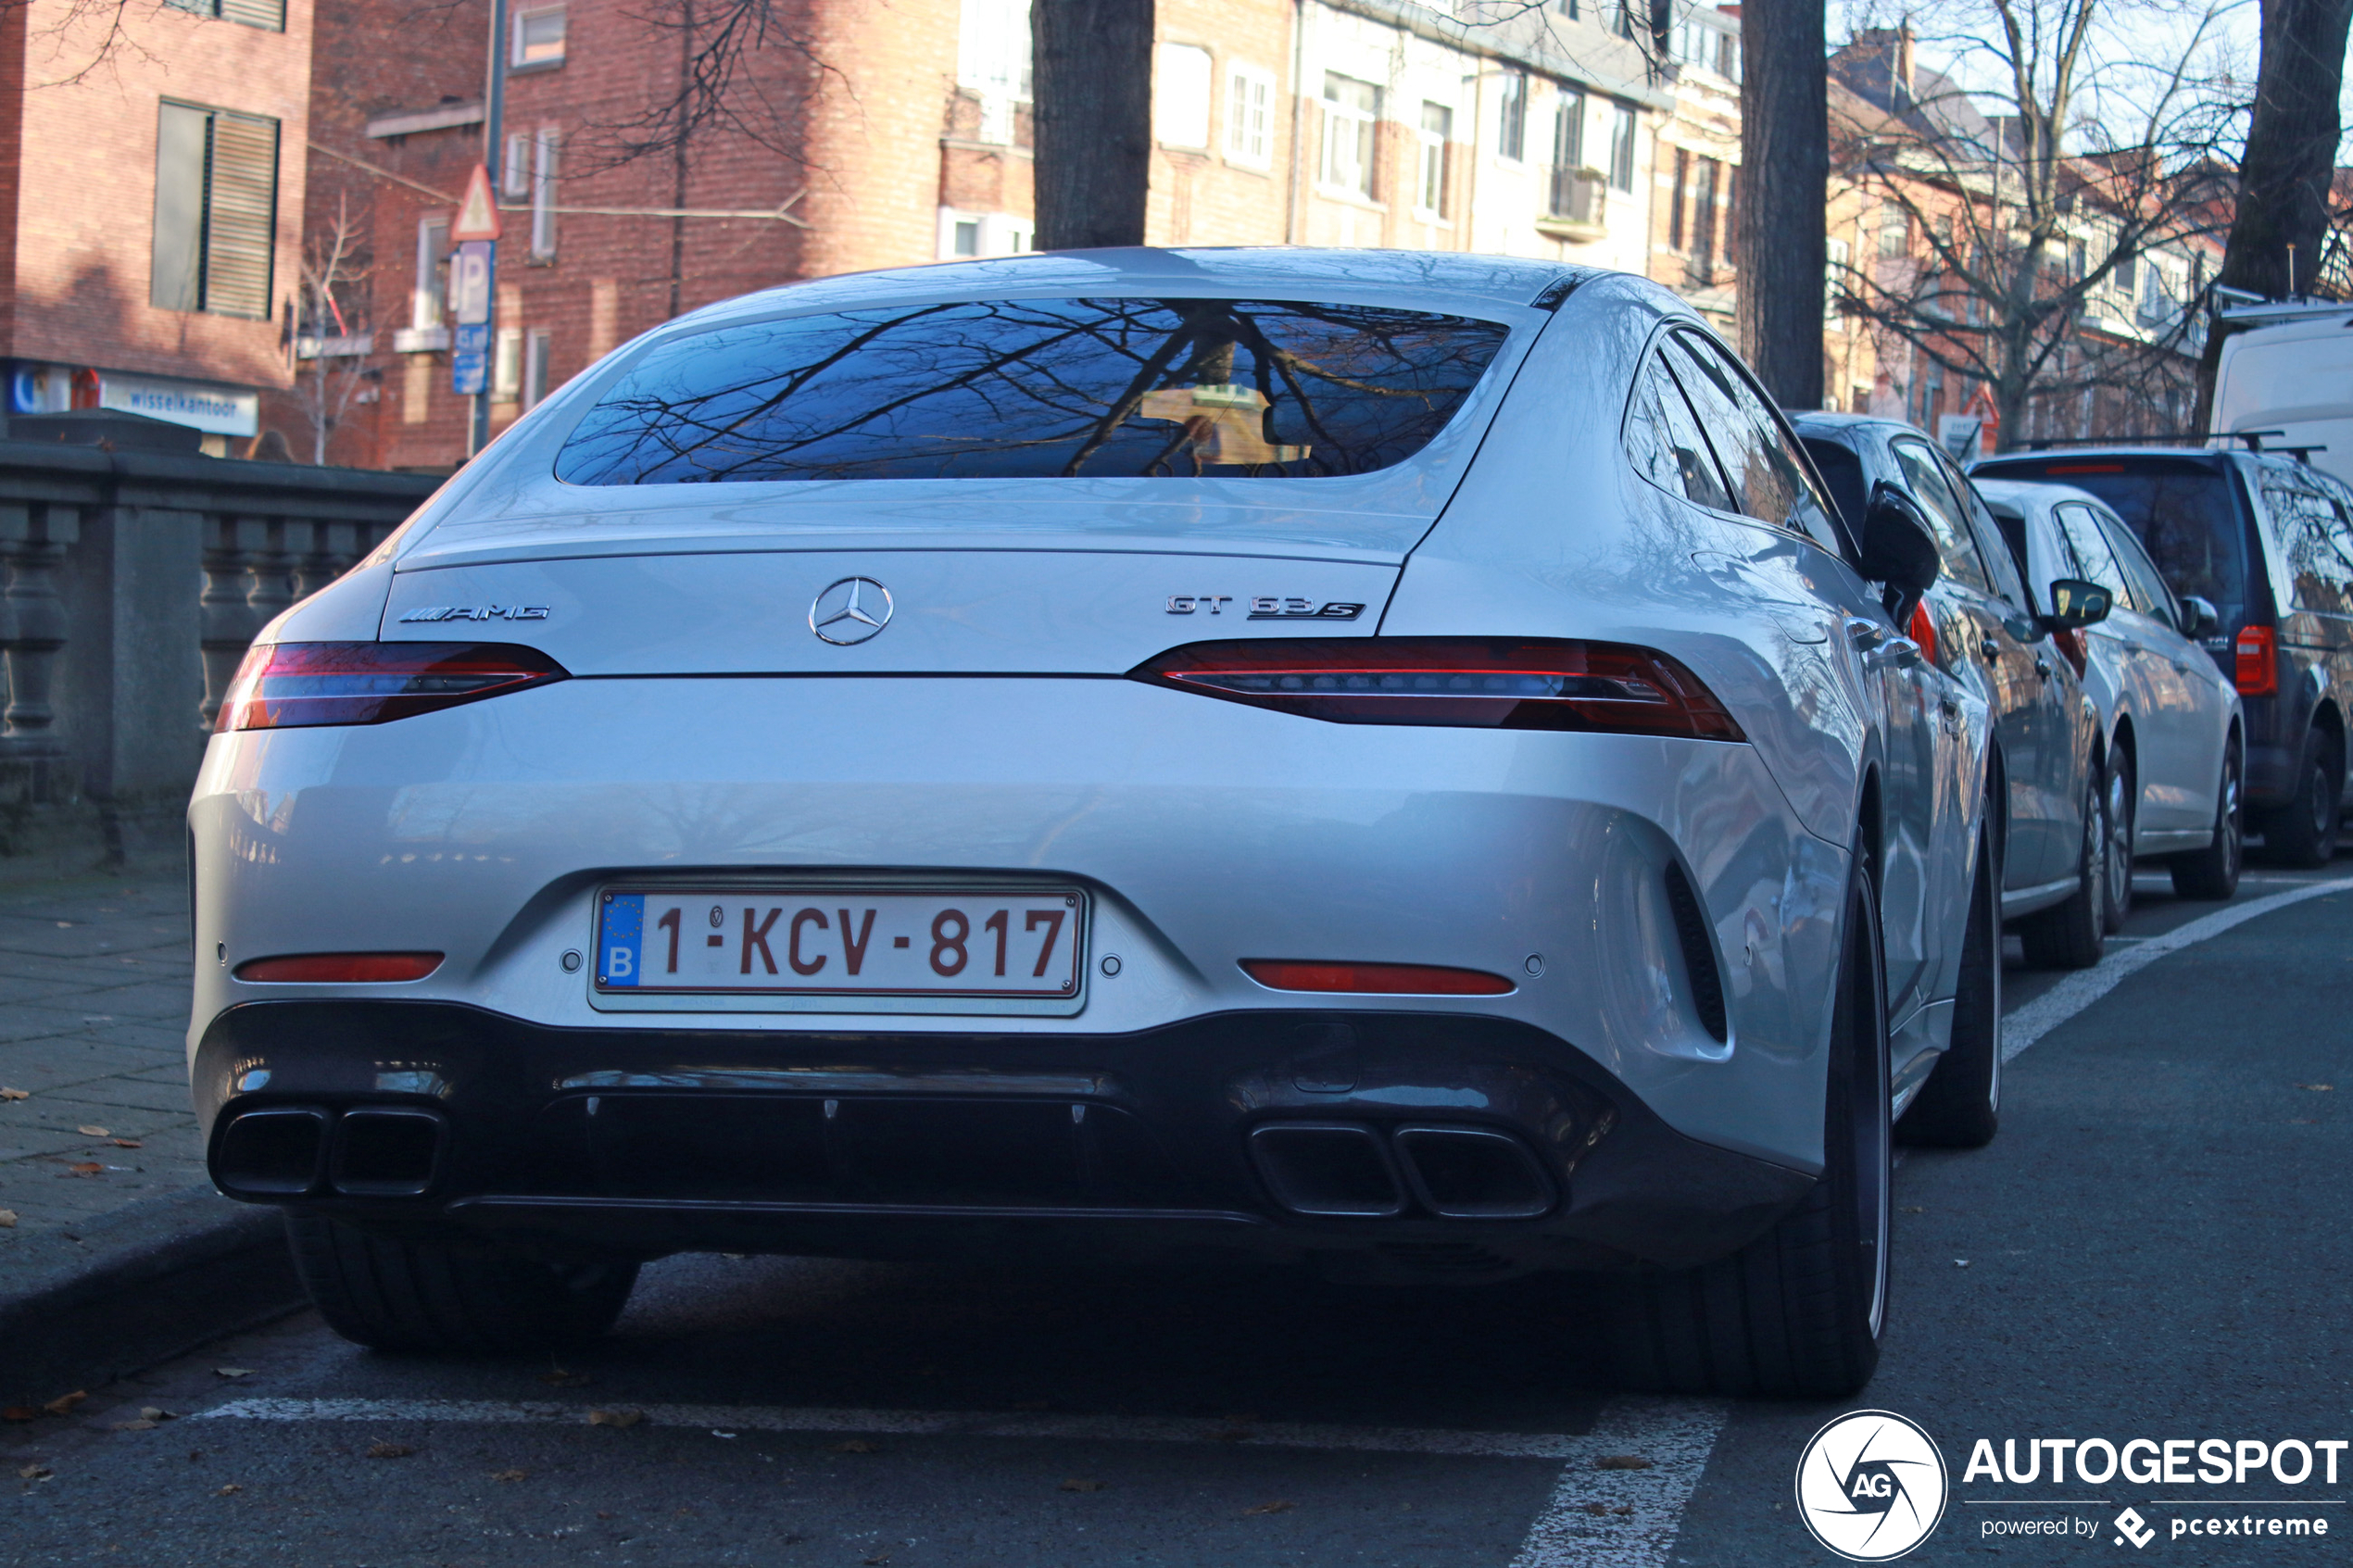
(1380, 760)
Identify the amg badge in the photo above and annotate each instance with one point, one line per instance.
(477, 612)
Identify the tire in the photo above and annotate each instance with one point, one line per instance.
(2303, 832)
(2073, 935)
(1960, 1105)
(2213, 871)
(437, 1296)
(2123, 811)
(1799, 1312)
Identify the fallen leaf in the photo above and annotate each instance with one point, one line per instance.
(84, 1168)
(518, 1475)
(224, 1491)
(1597, 1508)
(15, 1094)
(876, 1560)
(155, 1413)
(7, 1219)
(2322, 1087)
(563, 1379)
(19, 1412)
(232, 1372)
(1622, 1462)
(1624, 1508)
(389, 1450)
(93, 1132)
(35, 1473)
(604, 1513)
(63, 1404)
(1277, 1507)
(140, 1426)
(855, 1446)
(129, 1142)
(615, 1418)
(1075, 1485)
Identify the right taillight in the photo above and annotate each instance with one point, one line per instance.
(292, 685)
(1518, 684)
(2258, 671)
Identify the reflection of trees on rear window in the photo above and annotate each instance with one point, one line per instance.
(2185, 517)
(1037, 388)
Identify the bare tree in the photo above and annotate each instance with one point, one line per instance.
(2012, 241)
(1785, 182)
(334, 312)
(1091, 63)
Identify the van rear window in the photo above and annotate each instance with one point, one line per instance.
(2183, 514)
(1037, 388)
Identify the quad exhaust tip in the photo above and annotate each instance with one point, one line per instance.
(1348, 1170)
(282, 1151)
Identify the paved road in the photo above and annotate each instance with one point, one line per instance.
(2154, 1247)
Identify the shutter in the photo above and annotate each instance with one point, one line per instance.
(176, 270)
(241, 216)
(270, 14)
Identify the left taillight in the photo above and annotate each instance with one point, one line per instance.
(1514, 683)
(288, 685)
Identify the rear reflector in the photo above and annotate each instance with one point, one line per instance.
(348, 968)
(1516, 684)
(287, 685)
(2258, 671)
(1378, 979)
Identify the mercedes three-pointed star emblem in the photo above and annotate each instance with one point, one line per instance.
(850, 611)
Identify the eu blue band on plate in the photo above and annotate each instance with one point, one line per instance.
(621, 939)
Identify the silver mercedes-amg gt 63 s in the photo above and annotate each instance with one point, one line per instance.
(1377, 761)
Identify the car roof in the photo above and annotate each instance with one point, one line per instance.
(1436, 279)
(2013, 495)
(2209, 456)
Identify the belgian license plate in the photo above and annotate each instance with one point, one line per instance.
(843, 942)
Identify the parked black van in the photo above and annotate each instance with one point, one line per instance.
(2267, 541)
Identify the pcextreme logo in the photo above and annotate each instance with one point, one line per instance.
(1872, 1486)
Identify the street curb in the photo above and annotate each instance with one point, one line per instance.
(138, 1285)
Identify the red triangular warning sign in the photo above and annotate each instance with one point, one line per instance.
(478, 214)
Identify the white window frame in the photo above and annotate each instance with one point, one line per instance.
(995, 233)
(1625, 146)
(1354, 131)
(428, 299)
(538, 348)
(1430, 173)
(1184, 96)
(516, 59)
(506, 364)
(1250, 117)
(543, 193)
(514, 165)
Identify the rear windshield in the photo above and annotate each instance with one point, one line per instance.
(1037, 388)
(2183, 514)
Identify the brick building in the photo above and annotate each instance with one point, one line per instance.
(884, 135)
(151, 198)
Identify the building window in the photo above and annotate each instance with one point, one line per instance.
(514, 165)
(506, 366)
(966, 240)
(992, 62)
(1569, 153)
(1180, 97)
(543, 195)
(1834, 279)
(270, 15)
(1675, 199)
(1511, 137)
(1700, 273)
(539, 38)
(1351, 114)
(1437, 129)
(1250, 109)
(1895, 230)
(216, 212)
(429, 302)
(969, 235)
(1621, 148)
(537, 346)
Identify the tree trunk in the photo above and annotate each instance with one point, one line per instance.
(1784, 189)
(2291, 156)
(1091, 70)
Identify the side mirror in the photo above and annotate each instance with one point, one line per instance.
(2075, 604)
(1898, 548)
(2199, 616)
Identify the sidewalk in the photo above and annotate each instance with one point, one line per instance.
(115, 1252)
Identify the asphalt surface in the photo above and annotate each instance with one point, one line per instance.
(2155, 1247)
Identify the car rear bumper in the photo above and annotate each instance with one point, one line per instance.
(1377, 1142)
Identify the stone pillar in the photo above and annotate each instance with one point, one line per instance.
(230, 546)
(322, 552)
(32, 624)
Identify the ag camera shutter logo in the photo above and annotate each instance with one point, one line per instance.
(1872, 1486)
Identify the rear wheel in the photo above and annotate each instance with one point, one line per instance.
(1798, 1311)
(2073, 935)
(441, 1295)
(1960, 1105)
(2303, 832)
(2123, 812)
(2213, 871)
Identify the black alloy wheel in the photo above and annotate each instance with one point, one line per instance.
(2303, 832)
(2213, 871)
(1960, 1105)
(1799, 1312)
(2073, 935)
(2123, 814)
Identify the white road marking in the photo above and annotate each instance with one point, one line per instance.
(1675, 1436)
(2073, 995)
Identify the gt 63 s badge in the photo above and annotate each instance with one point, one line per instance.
(1870, 1486)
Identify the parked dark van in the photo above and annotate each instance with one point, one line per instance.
(2268, 541)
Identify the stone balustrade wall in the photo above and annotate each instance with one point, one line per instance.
(131, 584)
